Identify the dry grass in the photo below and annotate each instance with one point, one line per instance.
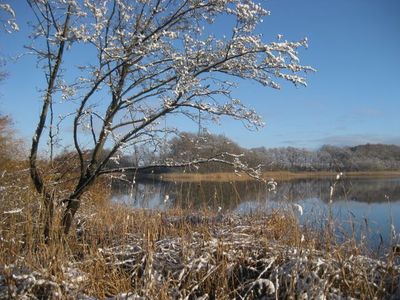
(276, 175)
(115, 251)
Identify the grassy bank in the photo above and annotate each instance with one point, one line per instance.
(276, 175)
(117, 252)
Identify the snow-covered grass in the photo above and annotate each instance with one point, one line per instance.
(120, 253)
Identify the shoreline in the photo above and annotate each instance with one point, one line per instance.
(276, 175)
(119, 252)
(247, 257)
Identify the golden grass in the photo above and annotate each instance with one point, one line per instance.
(114, 249)
(276, 175)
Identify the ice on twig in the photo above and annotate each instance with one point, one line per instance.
(14, 211)
(299, 208)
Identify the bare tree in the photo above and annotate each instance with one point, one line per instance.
(150, 60)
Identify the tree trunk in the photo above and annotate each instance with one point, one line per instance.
(69, 213)
(74, 201)
(48, 216)
(36, 177)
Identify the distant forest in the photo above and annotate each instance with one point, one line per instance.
(188, 146)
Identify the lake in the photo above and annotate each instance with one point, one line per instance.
(367, 208)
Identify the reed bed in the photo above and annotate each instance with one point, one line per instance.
(276, 175)
(116, 252)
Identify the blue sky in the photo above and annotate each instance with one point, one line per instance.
(354, 98)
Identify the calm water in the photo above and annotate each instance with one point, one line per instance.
(367, 208)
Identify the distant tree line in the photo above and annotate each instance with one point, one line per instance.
(367, 157)
(189, 146)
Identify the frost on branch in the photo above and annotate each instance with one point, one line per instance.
(7, 18)
(154, 59)
(146, 63)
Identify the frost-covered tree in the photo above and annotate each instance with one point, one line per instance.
(150, 60)
(8, 24)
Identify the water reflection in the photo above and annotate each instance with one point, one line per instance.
(229, 195)
(359, 206)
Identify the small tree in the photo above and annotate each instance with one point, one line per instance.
(11, 148)
(150, 60)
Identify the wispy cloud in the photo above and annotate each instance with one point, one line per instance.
(293, 142)
(357, 139)
(362, 114)
(343, 140)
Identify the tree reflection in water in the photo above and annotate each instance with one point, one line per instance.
(360, 206)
